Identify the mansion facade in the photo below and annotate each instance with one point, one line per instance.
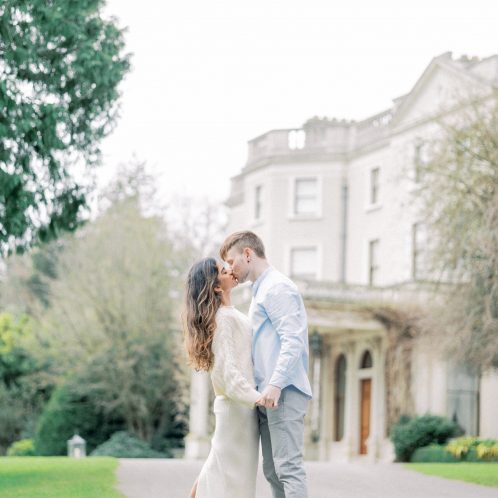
(333, 204)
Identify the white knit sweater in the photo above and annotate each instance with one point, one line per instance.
(232, 371)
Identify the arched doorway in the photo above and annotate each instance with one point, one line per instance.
(339, 397)
(366, 363)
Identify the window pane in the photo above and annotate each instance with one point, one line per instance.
(419, 251)
(366, 360)
(374, 186)
(373, 261)
(306, 187)
(304, 262)
(305, 205)
(305, 196)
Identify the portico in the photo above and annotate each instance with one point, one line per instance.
(347, 414)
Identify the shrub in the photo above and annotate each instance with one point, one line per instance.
(468, 449)
(433, 453)
(459, 447)
(24, 447)
(422, 431)
(487, 450)
(68, 412)
(124, 445)
(24, 381)
(472, 449)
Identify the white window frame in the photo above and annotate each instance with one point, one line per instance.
(304, 245)
(419, 253)
(372, 281)
(292, 198)
(370, 203)
(420, 157)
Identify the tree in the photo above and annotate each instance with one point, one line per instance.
(24, 383)
(458, 191)
(24, 286)
(112, 322)
(61, 63)
(200, 225)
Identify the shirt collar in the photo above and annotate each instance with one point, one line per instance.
(257, 282)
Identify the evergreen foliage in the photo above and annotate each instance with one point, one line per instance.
(412, 433)
(124, 445)
(68, 413)
(61, 64)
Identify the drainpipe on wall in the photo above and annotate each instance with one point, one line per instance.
(344, 230)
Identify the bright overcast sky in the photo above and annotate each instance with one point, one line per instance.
(208, 76)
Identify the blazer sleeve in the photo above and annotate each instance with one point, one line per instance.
(226, 369)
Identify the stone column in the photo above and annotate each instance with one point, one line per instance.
(316, 345)
(315, 403)
(326, 404)
(350, 405)
(377, 416)
(197, 441)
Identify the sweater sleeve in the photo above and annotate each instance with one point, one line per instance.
(226, 367)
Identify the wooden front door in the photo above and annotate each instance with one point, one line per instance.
(366, 396)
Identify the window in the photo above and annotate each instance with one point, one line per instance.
(304, 262)
(257, 202)
(340, 396)
(463, 397)
(420, 159)
(419, 242)
(366, 360)
(306, 196)
(374, 185)
(373, 261)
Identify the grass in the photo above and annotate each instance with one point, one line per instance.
(477, 473)
(58, 477)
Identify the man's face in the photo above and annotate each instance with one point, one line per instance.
(238, 263)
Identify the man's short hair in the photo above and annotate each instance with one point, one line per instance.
(240, 240)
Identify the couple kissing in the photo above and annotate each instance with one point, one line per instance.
(258, 366)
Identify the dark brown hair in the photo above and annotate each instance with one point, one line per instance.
(241, 240)
(202, 303)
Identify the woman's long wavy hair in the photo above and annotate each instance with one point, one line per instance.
(202, 303)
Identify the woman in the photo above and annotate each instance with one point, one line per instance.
(218, 340)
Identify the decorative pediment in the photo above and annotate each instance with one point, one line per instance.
(442, 86)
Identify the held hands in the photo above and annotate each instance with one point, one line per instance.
(269, 397)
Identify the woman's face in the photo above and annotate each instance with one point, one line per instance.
(225, 278)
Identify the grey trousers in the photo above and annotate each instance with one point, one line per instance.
(282, 441)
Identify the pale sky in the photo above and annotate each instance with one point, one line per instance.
(208, 76)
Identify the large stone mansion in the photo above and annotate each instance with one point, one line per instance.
(332, 202)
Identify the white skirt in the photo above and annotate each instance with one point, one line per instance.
(231, 467)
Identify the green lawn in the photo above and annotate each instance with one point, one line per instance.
(58, 477)
(478, 473)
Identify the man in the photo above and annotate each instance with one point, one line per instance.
(280, 357)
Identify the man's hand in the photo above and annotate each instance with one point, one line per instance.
(270, 396)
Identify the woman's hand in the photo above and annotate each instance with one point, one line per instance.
(260, 401)
(270, 396)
